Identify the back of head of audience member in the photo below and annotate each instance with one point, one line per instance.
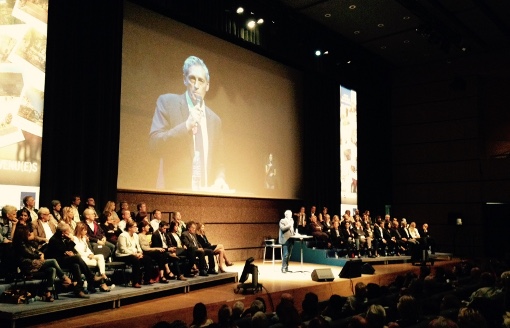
(470, 318)
(357, 321)
(199, 314)
(237, 310)
(376, 316)
(259, 320)
(408, 309)
(442, 322)
(318, 322)
(225, 315)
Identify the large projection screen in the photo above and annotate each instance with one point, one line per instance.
(348, 150)
(23, 29)
(251, 105)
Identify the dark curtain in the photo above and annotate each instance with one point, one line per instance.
(82, 101)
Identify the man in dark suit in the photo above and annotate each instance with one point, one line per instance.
(190, 240)
(160, 239)
(61, 248)
(427, 238)
(182, 126)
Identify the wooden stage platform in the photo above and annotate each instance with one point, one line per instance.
(129, 307)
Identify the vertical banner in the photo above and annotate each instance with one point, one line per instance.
(348, 150)
(23, 28)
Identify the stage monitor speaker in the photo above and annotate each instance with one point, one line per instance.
(322, 275)
(366, 268)
(351, 269)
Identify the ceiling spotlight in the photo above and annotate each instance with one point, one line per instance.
(348, 62)
(357, 32)
(407, 41)
(317, 53)
(406, 18)
(352, 7)
(251, 24)
(260, 21)
(380, 25)
(326, 52)
(240, 10)
(464, 49)
(383, 47)
(327, 15)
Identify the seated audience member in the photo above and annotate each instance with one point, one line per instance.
(334, 308)
(361, 239)
(142, 212)
(315, 229)
(61, 248)
(123, 205)
(82, 246)
(442, 322)
(349, 235)
(161, 255)
(336, 238)
(8, 226)
(56, 210)
(286, 313)
(68, 217)
(43, 227)
(31, 261)
(180, 248)
(110, 228)
(379, 241)
(217, 249)
(129, 251)
(110, 208)
(376, 316)
(356, 303)
(310, 307)
(23, 217)
(413, 231)
(237, 310)
(189, 239)
(200, 318)
(90, 204)
(401, 244)
(156, 219)
(259, 320)
(181, 225)
(96, 234)
(225, 317)
(469, 317)
(75, 204)
(408, 311)
(126, 216)
(29, 204)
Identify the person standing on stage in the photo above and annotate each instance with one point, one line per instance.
(286, 231)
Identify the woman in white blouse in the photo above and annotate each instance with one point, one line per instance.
(83, 248)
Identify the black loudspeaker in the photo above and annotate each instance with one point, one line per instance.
(351, 269)
(322, 275)
(366, 268)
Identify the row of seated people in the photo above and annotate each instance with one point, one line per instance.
(444, 298)
(357, 238)
(27, 246)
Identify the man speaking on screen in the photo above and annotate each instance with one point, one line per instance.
(186, 135)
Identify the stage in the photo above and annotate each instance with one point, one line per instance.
(150, 306)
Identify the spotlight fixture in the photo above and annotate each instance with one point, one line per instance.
(352, 7)
(327, 15)
(260, 21)
(357, 32)
(251, 24)
(326, 52)
(317, 53)
(380, 25)
(240, 10)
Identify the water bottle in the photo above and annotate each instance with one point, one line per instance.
(196, 172)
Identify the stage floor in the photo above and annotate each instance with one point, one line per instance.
(179, 306)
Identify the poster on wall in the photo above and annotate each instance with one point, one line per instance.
(23, 29)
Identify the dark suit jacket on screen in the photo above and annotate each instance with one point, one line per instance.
(170, 139)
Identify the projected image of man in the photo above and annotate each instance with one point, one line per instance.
(187, 136)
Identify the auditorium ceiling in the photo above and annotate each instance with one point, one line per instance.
(412, 32)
